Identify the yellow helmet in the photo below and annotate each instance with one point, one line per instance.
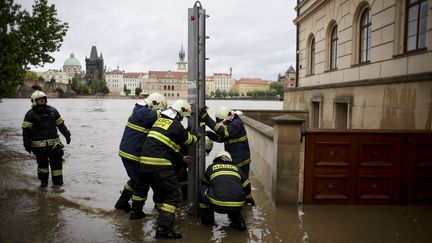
(37, 95)
(224, 155)
(182, 107)
(208, 145)
(156, 101)
(224, 113)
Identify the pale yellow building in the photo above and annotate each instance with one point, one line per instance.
(364, 64)
(210, 86)
(173, 85)
(245, 85)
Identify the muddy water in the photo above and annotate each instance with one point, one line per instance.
(82, 210)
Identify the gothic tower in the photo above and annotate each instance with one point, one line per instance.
(94, 66)
(181, 64)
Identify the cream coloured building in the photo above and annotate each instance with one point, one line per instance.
(364, 64)
(114, 81)
(173, 85)
(210, 85)
(245, 85)
(57, 75)
(223, 81)
(133, 80)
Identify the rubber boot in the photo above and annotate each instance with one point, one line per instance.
(57, 180)
(167, 233)
(207, 216)
(123, 202)
(250, 202)
(137, 210)
(237, 221)
(44, 183)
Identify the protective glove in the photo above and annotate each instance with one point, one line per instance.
(68, 139)
(203, 115)
(28, 148)
(211, 135)
(187, 159)
(195, 133)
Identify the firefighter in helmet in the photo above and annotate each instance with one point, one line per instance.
(159, 154)
(143, 116)
(230, 130)
(40, 138)
(224, 189)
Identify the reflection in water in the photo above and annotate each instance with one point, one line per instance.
(82, 210)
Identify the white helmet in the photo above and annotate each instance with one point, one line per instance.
(37, 95)
(208, 145)
(224, 155)
(224, 113)
(156, 101)
(182, 107)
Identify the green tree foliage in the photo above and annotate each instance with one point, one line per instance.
(31, 76)
(98, 87)
(218, 93)
(233, 93)
(277, 87)
(212, 93)
(26, 39)
(126, 90)
(79, 88)
(138, 91)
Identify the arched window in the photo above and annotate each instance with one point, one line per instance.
(416, 35)
(333, 48)
(169, 87)
(164, 87)
(312, 56)
(365, 35)
(172, 87)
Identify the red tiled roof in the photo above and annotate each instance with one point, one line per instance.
(251, 81)
(132, 75)
(221, 74)
(167, 74)
(116, 72)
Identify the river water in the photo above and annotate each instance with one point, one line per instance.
(82, 210)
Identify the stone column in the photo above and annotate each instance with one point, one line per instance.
(286, 141)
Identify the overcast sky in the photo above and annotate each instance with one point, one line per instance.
(254, 37)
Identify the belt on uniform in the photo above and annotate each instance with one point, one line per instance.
(45, 143)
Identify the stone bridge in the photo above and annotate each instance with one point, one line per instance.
(52, 89)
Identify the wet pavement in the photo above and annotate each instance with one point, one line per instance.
(82, 210)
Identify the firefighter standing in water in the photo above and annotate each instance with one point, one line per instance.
(230, 130)
(224, 189)
(40, 137)
(159, 153)
(143, 116)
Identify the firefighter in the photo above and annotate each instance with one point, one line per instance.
(40, 138)
(229, 129)
(208, 145)
(224, 189)
(143, 116)
(159, 153)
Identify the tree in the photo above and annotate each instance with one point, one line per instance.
(138, 91)
(26, 39)
(224, 93)
(98, 87)
(212, 93)
(126, 90)
(218, 93)
(31, 76)
(277, 87)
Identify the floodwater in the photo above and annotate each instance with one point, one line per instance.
(82, 210)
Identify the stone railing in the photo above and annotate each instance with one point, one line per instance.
(275, 154)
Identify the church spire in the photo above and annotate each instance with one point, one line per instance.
(181, 54)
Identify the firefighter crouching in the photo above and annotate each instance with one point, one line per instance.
(143, 116)
(40, 137)
(159, 153)
(224, 189)
(230, 130)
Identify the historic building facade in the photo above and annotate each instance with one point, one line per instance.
(287, 80)
(56, 76)
(114, 81)
(173, 85)
(245, 85)
(95, 69)
(72, 66)
(364, 64)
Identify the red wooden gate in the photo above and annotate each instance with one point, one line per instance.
(368, 167)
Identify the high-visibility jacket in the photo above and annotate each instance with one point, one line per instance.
(227, 185)
(162, 146)
(234, 136)
(40, 127)
(136, 131)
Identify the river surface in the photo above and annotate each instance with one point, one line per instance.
(82, 210)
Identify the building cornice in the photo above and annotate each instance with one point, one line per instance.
(314, 6)
(418, 77)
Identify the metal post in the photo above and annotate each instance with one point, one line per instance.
(196, 89)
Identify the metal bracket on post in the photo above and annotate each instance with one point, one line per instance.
(196, 97)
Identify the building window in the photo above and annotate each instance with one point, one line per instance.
(342, 111)
(416, 37)
(333, 48)
(312, 57)
(315, 113)
(164, 87)
(365, 36)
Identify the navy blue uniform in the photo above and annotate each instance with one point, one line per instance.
(135, 133)
(159, 154)
(40, 135)
(224, 189)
